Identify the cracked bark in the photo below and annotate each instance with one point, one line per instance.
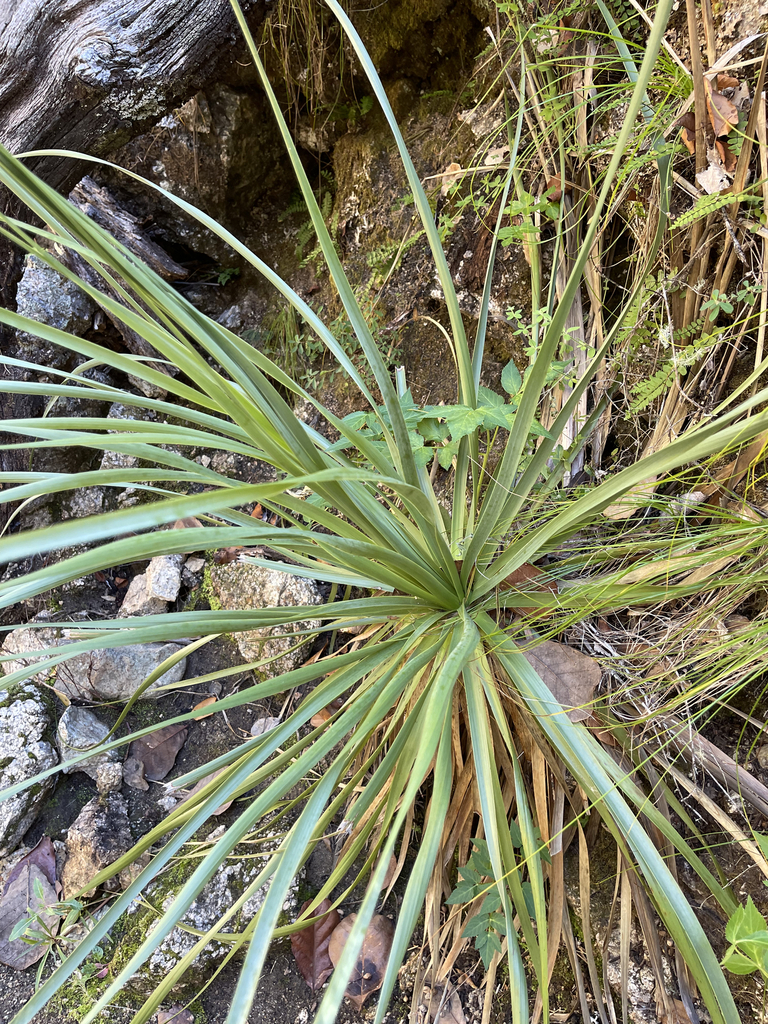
(89, 75)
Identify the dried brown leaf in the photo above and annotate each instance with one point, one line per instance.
(43, 855)
(133, 774)
(722, 113)
(18, 899)
(726, 82)
(320, 718)
(158, 751)
(187, 523)
(571, 676)
(443, 1005)
(678, 1014)
(175, 1014)
(310, 945)
(262, 725)
(391, 872)
(527, 577)
(226, 555)
(689, 140)
(555, 188)
(204, 704)
(202, 783)
(727, 156)
(368, 973)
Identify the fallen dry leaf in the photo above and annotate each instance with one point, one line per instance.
(39, 865)
(175, 1014)
(368, 973)
(527, 577)
(571, 676)
(262, 725)
(726, 82)
(713, 179)
(450, 176)
(187, 523)
(310, 945)
(678, 1015)
(391, 871)
(158, 751)
(320, 717)
(688, 131)
(555, 188)
(204, 704)
(187, 795)
(226, 555)
(726, 155)
(133, 774)
(443, 1005)
(44, 855)
(722, 113)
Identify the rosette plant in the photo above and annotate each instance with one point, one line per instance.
(438, 714)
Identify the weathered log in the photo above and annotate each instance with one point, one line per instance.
(89, 75)
(100, 205)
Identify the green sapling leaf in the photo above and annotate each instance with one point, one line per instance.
(511, 380)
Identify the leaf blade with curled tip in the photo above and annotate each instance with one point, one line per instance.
(310, 945)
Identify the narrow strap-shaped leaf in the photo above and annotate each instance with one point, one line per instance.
(487, 524)
(402, 454)
(579, 750)
(467, 391)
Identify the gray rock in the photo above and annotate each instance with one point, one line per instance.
(227, 886)
(24, 753)
(46, 296)
(139, 601)
(239, 586)
(114, 673)
(87, 501)
(117, 672)
(80, 729)
(164, 577)
(122, 460)
(100, 834)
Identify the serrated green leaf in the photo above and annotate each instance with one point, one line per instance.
(488, 398)
(736, 963)
(744, 922)
(465, 892)
(511, 380)
(462, 420)
(447, 453)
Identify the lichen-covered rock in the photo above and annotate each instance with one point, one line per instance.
(240, 587)
(164, 576)
(24, 753)
(228, 885)
(46, 296)
(139, 600)
(150, 591)
(80, 729)
(100, 834)
(114, 673)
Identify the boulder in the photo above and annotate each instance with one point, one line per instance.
(114, 673)
(99, 835)
(239, 586)
(79, 729)
(214, 900)
(45, 296)
(24, 753)
(150, 592)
